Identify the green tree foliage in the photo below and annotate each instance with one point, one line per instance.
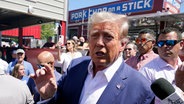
(47, 30)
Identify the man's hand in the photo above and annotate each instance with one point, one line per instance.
(45, 81)
(179, 77)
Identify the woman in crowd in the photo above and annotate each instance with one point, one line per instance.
(71, 50)
(19, 72)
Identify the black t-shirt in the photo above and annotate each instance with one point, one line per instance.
(47, 45)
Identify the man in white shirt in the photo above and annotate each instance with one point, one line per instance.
(169, 45)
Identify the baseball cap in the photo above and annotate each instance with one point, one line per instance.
(75, 38)
(20, 51)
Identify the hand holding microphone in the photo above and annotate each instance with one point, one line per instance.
(166, 92)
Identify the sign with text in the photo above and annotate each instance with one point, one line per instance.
(124, 7)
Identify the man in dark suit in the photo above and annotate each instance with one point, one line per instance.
(101, 78)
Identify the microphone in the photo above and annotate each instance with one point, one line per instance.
(166, 92)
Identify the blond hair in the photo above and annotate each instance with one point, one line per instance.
(74, 45)
(15, 70)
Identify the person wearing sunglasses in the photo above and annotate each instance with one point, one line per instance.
(63, 61)
(130, 50)
(169, 45)
(20, 58)
(71, 49)
(145, 43)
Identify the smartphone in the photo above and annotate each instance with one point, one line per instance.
(61, 39)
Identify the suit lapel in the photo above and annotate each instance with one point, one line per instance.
(73, 85)
(114, 87)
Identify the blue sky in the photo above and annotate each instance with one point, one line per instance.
(77, 4)
(182, 7)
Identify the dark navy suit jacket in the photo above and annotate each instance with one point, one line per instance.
(127, 86)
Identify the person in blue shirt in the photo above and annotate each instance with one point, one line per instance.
(20, 59)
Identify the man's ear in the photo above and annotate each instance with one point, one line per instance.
(153, 42)
(122, 47)
(181, 44)
(123, 44)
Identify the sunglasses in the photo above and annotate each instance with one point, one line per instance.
(39, 66)
(20, 54)
(167, 42)
(128, 49)
(142, 40)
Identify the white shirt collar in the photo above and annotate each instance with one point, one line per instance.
(163, 63)
(109, 71)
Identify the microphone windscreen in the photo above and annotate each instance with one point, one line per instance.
(162, 88)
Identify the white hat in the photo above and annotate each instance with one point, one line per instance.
(75, 38)
(20, 51)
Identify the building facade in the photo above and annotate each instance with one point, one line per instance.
(136, 10)
(22, 13)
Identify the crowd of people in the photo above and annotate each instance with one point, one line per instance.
(113, 70)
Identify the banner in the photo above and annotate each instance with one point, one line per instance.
(125, 7)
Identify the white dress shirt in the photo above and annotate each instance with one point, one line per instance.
(158, 68)
(94, 86)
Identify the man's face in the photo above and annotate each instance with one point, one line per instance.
(104, 44)
(45, 59)
(20, 56)
(129, 50)
(168, 52)
(144, 44)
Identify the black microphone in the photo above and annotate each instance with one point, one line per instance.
(166, 92)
